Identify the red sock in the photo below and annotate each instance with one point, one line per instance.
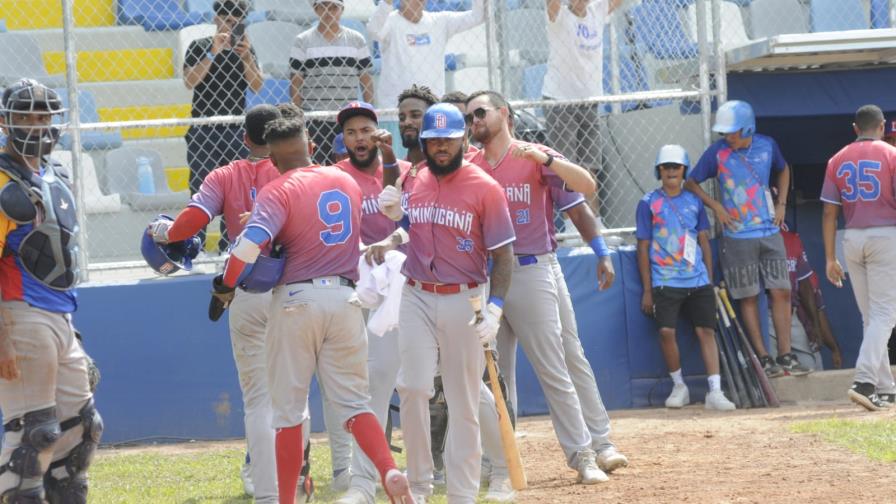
(288, 446)
(370, 437)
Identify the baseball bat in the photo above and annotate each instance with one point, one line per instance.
(749, 394)
(770, 396)
(726, 372)
(508, 439)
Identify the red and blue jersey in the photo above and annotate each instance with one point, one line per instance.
(861, 179)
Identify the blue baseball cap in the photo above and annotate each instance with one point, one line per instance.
(443, 120)
(356, 108)
(339, 145)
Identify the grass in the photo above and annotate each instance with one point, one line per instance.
(194, 475)
(876, 439)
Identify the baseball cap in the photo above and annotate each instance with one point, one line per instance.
(340, 3)
(356, 108)
(889, 128)
(339, 145)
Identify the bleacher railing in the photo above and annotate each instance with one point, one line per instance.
(123, 66)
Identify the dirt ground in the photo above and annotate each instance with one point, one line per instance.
(694, 456)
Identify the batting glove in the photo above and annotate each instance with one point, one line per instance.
(222, 295)
(487, 326)
(390, 203)
(159, 230)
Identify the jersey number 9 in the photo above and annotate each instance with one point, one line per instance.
(335, 210)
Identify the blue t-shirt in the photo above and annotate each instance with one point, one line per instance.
(665, 222)
(743, 179)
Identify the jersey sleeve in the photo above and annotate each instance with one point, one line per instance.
(564, 200)
(210, 198)
(702, 219)
(497, 228)
(778, 161)
(547, 174)
(830, 193)
(707, 166)
(196, 52)
(271, 209)
(803, 269)
(643, 221)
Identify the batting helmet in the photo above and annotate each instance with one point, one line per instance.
(674, 154)
(168, 258)
(27, 96)
(265, 273)
(735, 115)
(443, 120)
(339, 145)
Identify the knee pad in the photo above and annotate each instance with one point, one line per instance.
(72, 489)
(41, 430)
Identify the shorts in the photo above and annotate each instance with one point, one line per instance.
(743, 259)
(698, 303)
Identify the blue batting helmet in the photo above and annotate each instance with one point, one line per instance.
(672, 154)
(339, 145)
(443, 120)
(168, 258)
(735, 115)
(265, 273)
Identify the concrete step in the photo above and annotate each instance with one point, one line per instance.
(818, 386)
(108, 37)
(139, 93)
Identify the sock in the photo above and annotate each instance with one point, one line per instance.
(289, 461)
(676, 377)
(715, 382)
(370, 437)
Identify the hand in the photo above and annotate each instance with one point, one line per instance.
(376, 253)
(835, 272)
(647, 302)
(220, 42)
(243, 49)
(222, 295)
(724, 217)
(780, 212)
(530, 153)
(244, 218)
(9, 369)
(390, 203)
(383, 140)
(837, 359)
(486, 324)
(159, 230)
(606, 274)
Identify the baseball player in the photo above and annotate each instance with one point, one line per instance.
(52, 427)
(457, 215)
(751, 245)
(315, 323)
(531, 313)
(860, 179)
(675, 263)
(364, 142)
(412, 104)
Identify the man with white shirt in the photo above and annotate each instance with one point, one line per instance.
(411, 38)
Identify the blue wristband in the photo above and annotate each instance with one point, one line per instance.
(390, 165)
(210, 55)
(599, 246)
(495, 300)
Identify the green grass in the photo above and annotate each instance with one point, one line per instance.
(876, 439)
(194, 476)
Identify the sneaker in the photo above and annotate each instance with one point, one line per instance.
(589, 473)
(248, 486)
(354, 496)
(485, 473)
(609, 460)
(679, 398)
(397, 487)
(342, 480)
(863, 395)
(888, 398)
(771, 369)
(500, 490)
(791, 365)
(716, 400)
(438, 478)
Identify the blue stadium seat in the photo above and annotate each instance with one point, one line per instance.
(204, 7)
(156, 15)
(880, 14)
(273, 91)
(443, 5)
(2, 25)
(90, 140)
(837, 15)
(632, 76)
(658, 29)
(533, 81)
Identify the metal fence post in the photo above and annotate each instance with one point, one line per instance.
(721, 74)
(704, 56)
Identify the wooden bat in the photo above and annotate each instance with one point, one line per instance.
(508, 439)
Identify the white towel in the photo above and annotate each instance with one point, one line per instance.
(379, 290)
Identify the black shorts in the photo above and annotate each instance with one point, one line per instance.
(698, 303)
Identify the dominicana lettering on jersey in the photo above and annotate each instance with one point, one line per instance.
(461, 220)
(519, 193)
(370, 205)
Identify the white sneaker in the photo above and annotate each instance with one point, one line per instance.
(716, 400)
(342, 481)
(354, 496)
(589, 473)
(679, 398)
(609, 460)
(248, 486)
(398, 489)
(500, 490)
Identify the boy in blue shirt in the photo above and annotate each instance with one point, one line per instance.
(675, 263)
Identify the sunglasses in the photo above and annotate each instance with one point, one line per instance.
(478, 114)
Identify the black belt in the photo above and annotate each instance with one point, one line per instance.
(345, 282)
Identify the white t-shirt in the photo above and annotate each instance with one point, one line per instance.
(414, 53)
(575, 63)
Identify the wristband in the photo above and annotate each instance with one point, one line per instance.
(599, 246)
(210, 55)
(495, 300)
(390, 165)
(550, 159)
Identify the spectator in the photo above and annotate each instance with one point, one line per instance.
(412, 104)
(575, 72)
(412, 42)
(890, 132)
(751, 244)
(219, 70)
(329, 62)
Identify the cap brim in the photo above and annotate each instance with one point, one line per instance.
(443, 133)
(347, 114)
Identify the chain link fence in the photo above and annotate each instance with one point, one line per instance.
(156, 88)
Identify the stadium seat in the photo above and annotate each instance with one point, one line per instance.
(204, 7)
(468, 79)
(92, 139)
(121, 176)
(658, 30)
(21, 56)
(184, 38)
(880, 14)
(273, 91)
(293, 11)
(273, 42)
(632, 75)
(94, 199)
(525, 33)
(471, 44)
(733, 31)
(156, 15)
(775, 17)
(2, 26)
(837, 15)
(533, 81)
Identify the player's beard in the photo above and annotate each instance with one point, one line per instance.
(411, 142)
(482, 135)
(363, 163)
(452, 165)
